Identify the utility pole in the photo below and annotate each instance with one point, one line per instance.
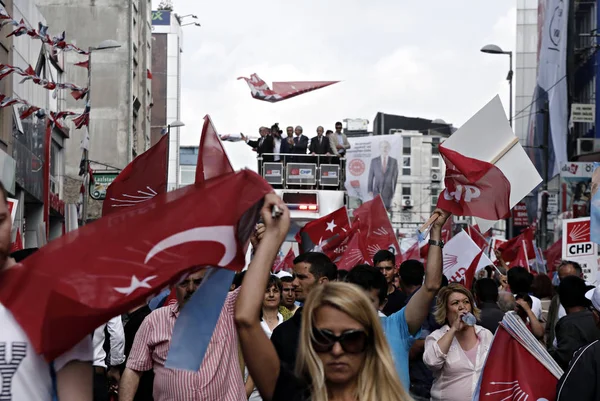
(546, 156)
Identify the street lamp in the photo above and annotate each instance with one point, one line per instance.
(192, 23)
(104, 45)
(495, 49)
(174, 124)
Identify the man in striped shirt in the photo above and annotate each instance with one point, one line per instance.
(219, 377)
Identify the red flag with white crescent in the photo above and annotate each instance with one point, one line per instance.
(473, 187)
(372, 220)
(84, 278)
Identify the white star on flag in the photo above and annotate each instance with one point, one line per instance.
(135, 284)
(331, 225)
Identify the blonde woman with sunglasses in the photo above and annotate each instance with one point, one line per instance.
(343, 353)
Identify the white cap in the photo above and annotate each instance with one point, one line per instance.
(594, 296)
(282, 274)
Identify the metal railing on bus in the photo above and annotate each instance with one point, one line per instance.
(297, 171)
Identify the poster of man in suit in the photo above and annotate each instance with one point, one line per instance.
(383, 175)
(372, 167)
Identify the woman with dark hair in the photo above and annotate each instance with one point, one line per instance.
(456, 353)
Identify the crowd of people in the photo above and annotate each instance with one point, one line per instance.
(272, 144)
(377, 332)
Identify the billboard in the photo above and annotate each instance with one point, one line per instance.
(578, 247)
(100, 184)
(372, 167)
(161, 17)
(575, 188)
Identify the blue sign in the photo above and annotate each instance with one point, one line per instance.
(161, 17)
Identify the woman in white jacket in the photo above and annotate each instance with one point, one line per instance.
(456, 352)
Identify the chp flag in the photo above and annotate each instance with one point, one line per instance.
(458, 255)
(578, 247)
(486, 181)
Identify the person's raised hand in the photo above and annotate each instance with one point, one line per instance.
(441, 219)
(275, 228)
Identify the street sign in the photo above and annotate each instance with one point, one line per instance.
(578, 247)
(101, 183)
(583, 113)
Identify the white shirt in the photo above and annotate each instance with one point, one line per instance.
(455, 376)
(25, 374)
(277, 149)
(117, 343)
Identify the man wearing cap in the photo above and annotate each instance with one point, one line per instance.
(582, 381)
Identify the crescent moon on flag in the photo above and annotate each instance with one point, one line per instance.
(224, 235)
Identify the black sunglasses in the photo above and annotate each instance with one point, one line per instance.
(351, 341)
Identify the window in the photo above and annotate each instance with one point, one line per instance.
(406, 145)
(435, 163)
(406, 190)
(187, 175)
(406, 161)
(435, 146)
(435, 192)
(406, 171)
(55, 153)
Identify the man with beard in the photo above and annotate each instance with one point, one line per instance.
(25, 374)
(219, 376)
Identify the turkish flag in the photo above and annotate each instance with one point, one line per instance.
(372, 220)
(286, 264)
(553, 255)
(413, 253)
(212, 159)
(327, 233)
(79, 281)
(518, 247)
(467, 280)
(512, 373)
(473, 187)
(477, 236)
(354, 254)
(281, 90)
(142, 179)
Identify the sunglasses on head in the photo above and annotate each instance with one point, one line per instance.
(351, 341)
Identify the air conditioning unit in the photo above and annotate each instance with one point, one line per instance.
(436, 176)
(407, 201)
(587, 145)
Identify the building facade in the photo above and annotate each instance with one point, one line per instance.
(188, 160)
(166, 85)
(22, 151)
(120, 93)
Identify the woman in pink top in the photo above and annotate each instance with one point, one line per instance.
(456, 352)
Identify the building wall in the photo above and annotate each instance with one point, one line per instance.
(416, 192)
(188, 158)
(526, 62)
(7, 162)
(112, 140)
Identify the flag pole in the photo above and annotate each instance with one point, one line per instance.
(168, 154)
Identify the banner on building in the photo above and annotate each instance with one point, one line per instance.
(578, 247)
(583, 113)
(575, 188)
(551, 86)
(373, 164)
(161, 17)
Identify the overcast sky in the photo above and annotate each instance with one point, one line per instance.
(408, 57)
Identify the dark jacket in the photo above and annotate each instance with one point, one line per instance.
(582, 381)
(573, 332)
(286, 338)
(491, 316)
(263, 145)
(300, 145)
(320, 148)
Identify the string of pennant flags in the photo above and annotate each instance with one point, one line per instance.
(77, 92)
(22, 28)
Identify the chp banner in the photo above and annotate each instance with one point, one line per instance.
(458, 256)
(577, 246)
(372, 168)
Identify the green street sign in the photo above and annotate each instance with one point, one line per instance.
(101, 182)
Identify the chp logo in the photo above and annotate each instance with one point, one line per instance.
(578, 239)
(356, 167)
(463, 192)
